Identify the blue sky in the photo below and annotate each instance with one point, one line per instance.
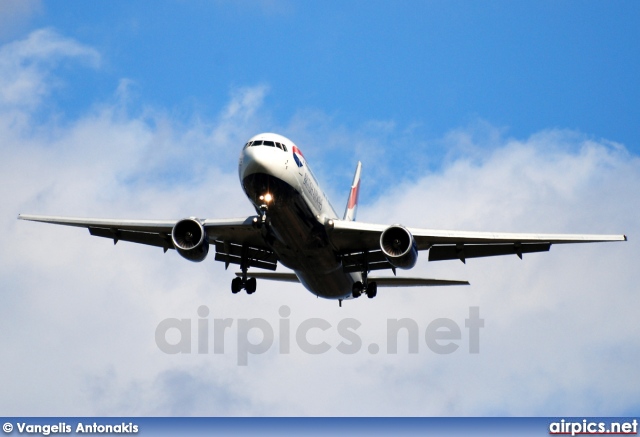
(522, 66)
(505, 116)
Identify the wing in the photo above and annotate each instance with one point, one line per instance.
(233, 238)
(353, 238)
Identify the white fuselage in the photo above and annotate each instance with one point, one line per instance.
(277, 176)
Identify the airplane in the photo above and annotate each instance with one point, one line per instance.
(297, 227)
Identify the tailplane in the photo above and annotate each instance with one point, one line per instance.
(352, 203)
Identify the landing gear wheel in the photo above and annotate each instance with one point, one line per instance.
(356, 290)
(250, 286)
(372, 290)
(236, 285)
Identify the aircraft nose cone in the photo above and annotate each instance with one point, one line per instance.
(256, 160)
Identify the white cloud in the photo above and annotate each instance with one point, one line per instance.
(559, 328)
(24, 65)
(78, 315)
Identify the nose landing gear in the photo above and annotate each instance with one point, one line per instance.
(261, 220)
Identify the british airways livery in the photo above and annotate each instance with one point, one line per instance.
(297, 227)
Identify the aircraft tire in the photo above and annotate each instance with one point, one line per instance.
(236, 285)
(251, 285)
(356, 291)
(372, 290)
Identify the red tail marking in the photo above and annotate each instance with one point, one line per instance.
(353, 197)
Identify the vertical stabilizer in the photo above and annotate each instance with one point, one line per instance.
(352, 203)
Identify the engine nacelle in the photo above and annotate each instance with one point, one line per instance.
(190, 239)
(399, 247)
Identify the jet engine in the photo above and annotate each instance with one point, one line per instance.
(399, 247)
(190, 239)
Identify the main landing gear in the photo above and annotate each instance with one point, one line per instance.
(238, 284)
(364, 286)
(249, 284)
(370, 288)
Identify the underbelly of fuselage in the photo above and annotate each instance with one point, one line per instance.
(298, 237)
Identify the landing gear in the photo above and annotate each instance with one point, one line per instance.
(239, 283)
(263, 214)
(250, 286)
(261, 220)
(236, 285)
(364, 286)
(357, 289)
(371, 289)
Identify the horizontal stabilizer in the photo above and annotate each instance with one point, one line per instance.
(282, 277)
(392, 281)
(396, 281)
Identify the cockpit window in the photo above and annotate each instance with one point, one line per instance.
(280, 146)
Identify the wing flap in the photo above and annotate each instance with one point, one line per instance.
(159, 240)
(231, 259)
(463, 251)
(231, 253)
(357, 262)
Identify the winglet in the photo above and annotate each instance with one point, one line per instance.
(352, 203)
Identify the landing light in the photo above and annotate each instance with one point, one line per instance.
(267, 197)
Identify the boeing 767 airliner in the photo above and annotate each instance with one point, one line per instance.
(296, 226)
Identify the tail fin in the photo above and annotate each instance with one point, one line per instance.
(352, 203)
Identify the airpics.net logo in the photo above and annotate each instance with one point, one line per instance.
(257, 336)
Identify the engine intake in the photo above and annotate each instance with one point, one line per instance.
(399, 247)
(189, 239)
